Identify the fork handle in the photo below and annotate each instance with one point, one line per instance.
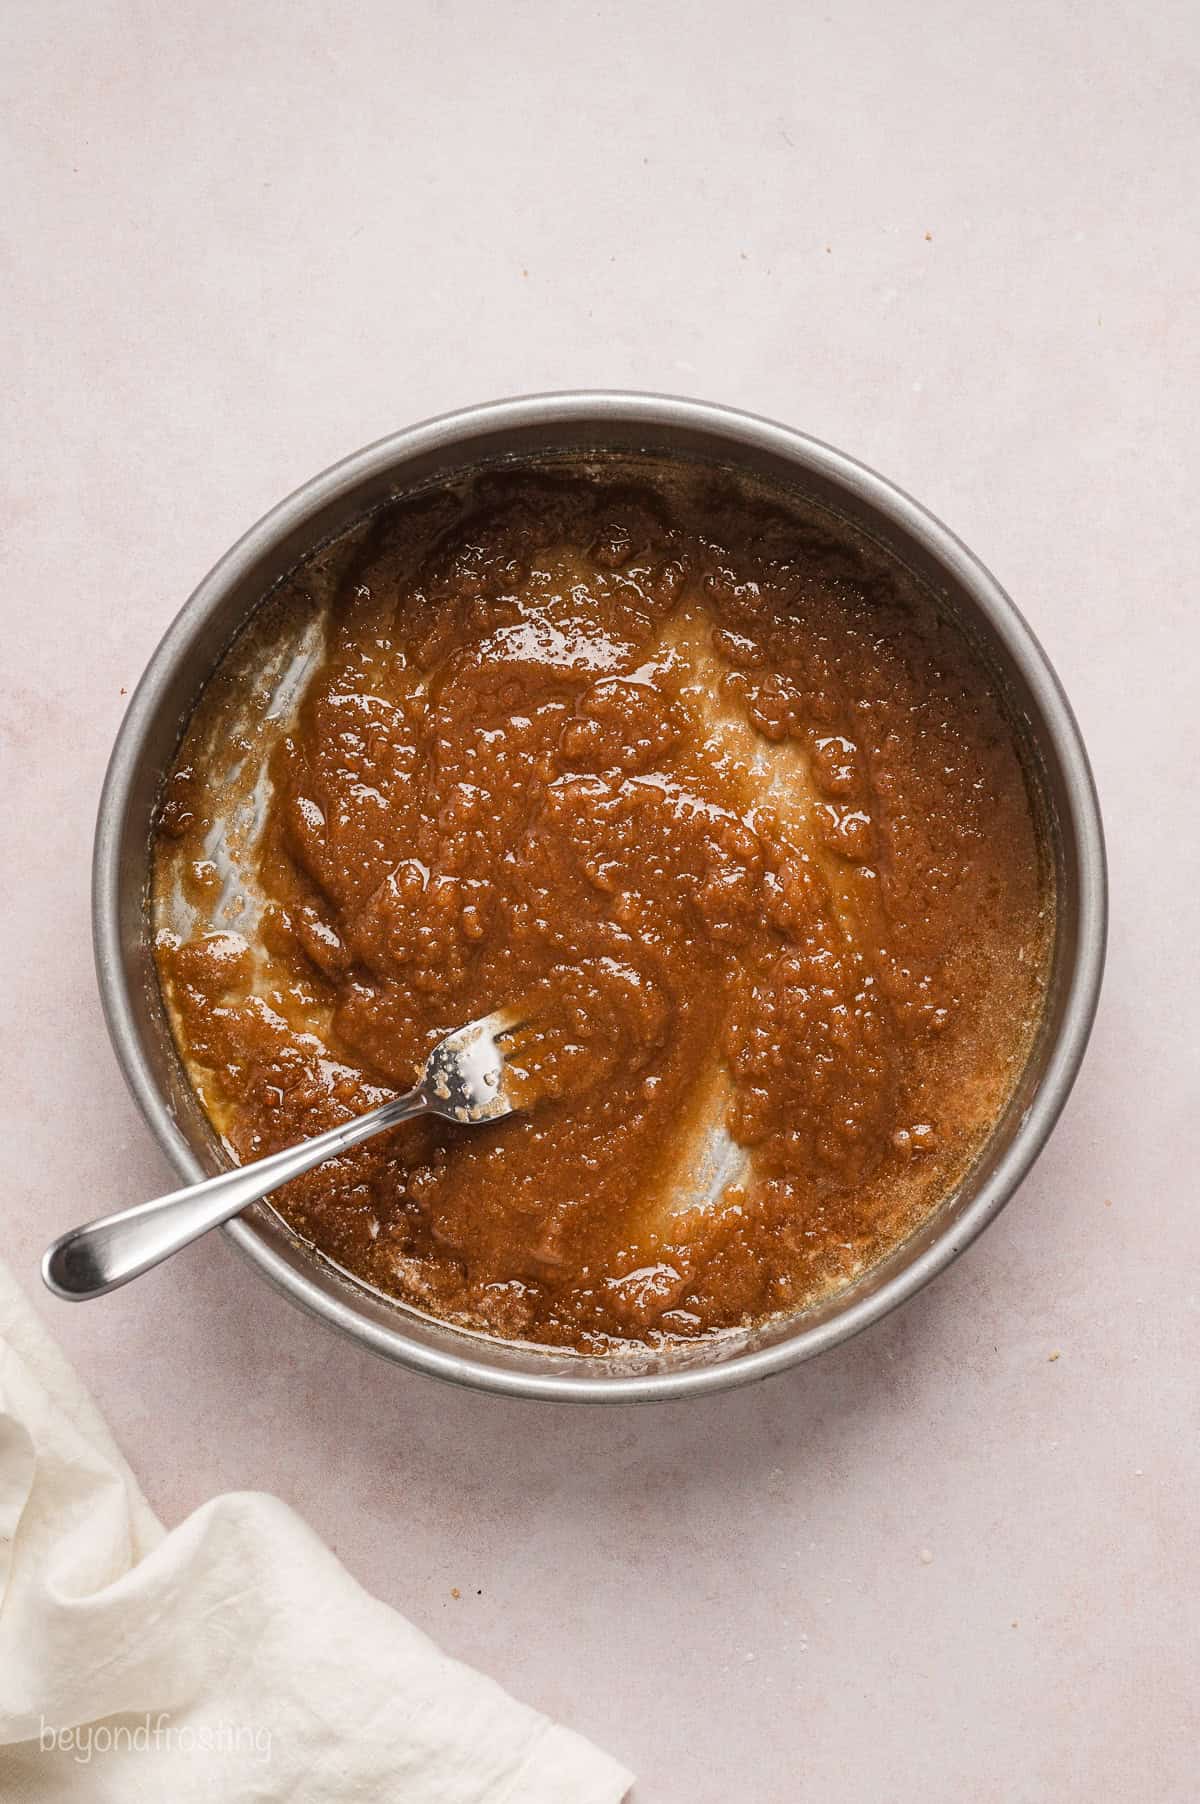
(108, 1252)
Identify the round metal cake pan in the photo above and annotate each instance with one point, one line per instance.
(575, 424)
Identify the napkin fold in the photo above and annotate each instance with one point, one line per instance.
(231, 1658)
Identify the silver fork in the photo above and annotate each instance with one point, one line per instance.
(464, 1080)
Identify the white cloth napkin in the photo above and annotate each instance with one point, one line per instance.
(230, 1659)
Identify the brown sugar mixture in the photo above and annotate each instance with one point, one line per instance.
(701, 774)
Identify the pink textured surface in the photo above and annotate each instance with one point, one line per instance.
(959, 242)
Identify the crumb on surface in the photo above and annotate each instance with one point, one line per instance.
(455, 1592)
(1051, 1357)
(927, 1556)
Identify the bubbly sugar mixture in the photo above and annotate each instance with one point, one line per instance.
(704, 778)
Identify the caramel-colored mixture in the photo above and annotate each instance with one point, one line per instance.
(702, 776)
